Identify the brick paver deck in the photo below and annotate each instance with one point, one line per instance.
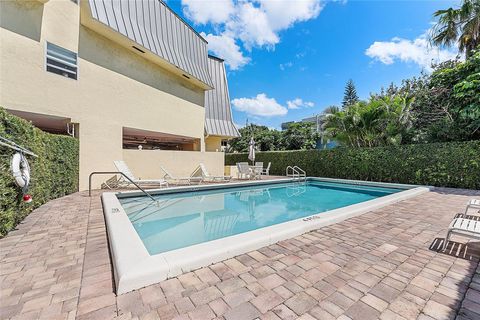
(383, 264)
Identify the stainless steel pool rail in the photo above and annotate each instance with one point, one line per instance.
(295, 172)
(120, 173)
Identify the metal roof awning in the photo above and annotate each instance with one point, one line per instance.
(218, 114)
(151, 25)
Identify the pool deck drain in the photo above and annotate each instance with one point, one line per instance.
(383, 264)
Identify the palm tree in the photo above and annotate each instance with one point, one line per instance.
(460, 25)
(377, 122)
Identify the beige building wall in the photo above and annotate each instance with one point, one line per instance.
(115, 88)
(146, 163)
(213, 143)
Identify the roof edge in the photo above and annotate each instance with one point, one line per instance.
(183, 20)
(211, 56)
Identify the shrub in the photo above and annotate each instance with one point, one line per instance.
(53, 174)
(452, 164)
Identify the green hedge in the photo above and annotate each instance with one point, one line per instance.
(53, 174)
(453, 164)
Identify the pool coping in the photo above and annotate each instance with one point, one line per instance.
(135, 268)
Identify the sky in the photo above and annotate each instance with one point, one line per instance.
(287, 60)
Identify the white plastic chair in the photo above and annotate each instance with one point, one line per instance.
(243, 170)
(123, 168)
(464, 227)
(266, 171)
(186, 180)
(472, 204)
(207, 177)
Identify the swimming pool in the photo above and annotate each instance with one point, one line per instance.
(184, 219)
(194, 226)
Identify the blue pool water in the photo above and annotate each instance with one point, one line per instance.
(188, 218)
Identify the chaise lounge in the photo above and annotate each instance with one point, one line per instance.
(465, 225)
(123, 168)
(186, 180)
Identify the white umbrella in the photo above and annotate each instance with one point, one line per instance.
(251, 150)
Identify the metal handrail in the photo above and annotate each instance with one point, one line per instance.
(300, 169)
(296, 172)
(116, 172)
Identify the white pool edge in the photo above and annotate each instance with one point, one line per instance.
(135, 268)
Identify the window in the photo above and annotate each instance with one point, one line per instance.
(61, 61)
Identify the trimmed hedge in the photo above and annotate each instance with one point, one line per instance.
(452, 164)
(53, 174)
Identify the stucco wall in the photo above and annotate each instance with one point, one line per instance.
(115, 88)
(213, 143)
(146, 163)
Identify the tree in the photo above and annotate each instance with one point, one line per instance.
(447, 102)
(350, 96)
(265, 139)
(377, 122)
(300, 136)
(460, 25)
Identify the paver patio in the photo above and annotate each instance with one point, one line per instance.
(383, 264)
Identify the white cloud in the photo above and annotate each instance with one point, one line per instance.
(226, 48)
(255, 23)
(203, 12)
(283, 14)
(298, 103)
(251, 26)
(285, 65)
(415, 51)
(261, 105)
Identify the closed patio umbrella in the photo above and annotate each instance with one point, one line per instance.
(251, 150)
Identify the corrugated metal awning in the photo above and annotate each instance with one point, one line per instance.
(155, 27)
(218, 115)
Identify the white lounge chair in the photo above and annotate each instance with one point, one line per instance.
(472, 204)
(202, 170)
(123, 168)
(464, 227)
(187, 180)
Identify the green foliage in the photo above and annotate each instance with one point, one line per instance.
(380, 121)
(453, 164)
(53, 174)
(440, 107)
(447, 103)
(265, 138)
(460, 25)
(350, 96)
(299, 136)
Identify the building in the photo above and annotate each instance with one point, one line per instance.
(316, 122)
(117, 75)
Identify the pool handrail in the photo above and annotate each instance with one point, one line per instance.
(116, 172)
(295, 172)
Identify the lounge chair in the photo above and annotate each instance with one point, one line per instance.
(202, 170)
(472, 204)
(187, 180)
(123, 168)
(243, 170)
(464, 227)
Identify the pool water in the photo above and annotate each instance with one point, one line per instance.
(186, 218)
